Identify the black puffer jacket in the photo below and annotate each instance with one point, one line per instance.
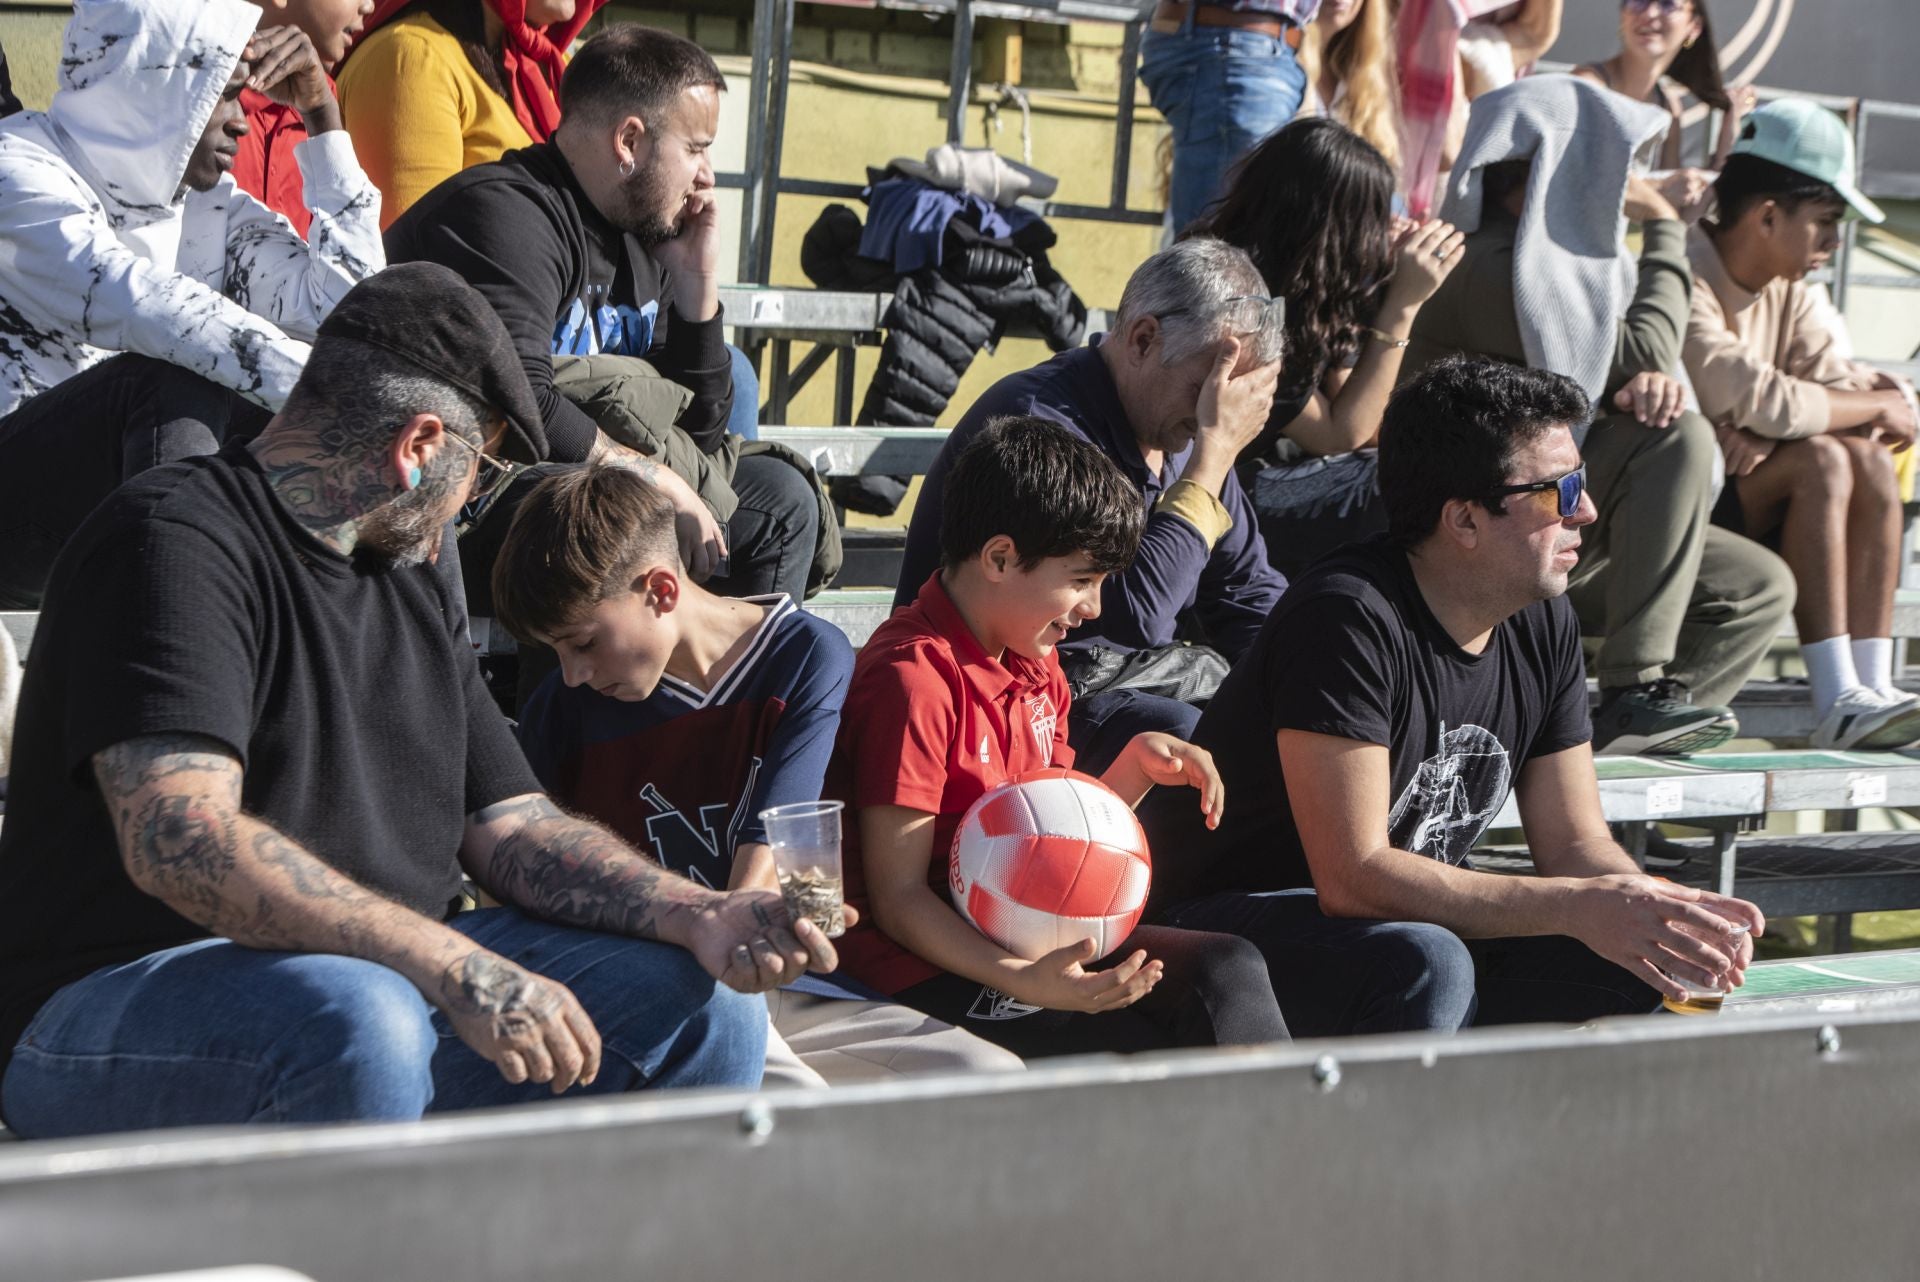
(983, 289)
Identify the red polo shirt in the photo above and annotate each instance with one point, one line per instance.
(931, 722)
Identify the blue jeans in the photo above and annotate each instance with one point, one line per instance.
(1222, 91)
(211, 1033)
(744, 421)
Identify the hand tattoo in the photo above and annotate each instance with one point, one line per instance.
(512, 1000)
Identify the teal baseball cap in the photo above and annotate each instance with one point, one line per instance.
(1808, 139)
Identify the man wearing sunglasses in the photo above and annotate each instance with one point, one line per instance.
(255, 757)
(1183, 383)
(1401, 690)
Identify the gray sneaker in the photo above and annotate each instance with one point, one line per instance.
(1655, 719)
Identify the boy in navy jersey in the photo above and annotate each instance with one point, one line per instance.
(678, 716)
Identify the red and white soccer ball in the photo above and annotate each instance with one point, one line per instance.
(1048, 859)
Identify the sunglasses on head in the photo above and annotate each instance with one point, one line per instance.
(1658, 7)
(1568, 489)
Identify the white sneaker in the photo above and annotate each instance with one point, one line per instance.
(1861, 719)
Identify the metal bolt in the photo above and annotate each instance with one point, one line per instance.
(1326, 1072)
(756, 1121)
(1828, 1040)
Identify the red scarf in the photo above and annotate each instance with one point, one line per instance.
(535, 57)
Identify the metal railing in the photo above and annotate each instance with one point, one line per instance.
(772, 52)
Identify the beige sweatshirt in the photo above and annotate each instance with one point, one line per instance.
(1760, 361)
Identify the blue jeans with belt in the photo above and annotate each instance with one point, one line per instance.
(211, 1033)
(1222, 90)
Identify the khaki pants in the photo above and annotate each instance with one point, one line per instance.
(823, 1041)
(1671, 595)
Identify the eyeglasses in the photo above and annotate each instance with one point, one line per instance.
(492, 471)
(1569, 487)
(1659, 8)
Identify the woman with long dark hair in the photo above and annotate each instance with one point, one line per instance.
(435, 86)
(1667, 46)
(1312, 205)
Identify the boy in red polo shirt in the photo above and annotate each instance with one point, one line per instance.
(961, 690)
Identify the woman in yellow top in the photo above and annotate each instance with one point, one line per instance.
(444, 84)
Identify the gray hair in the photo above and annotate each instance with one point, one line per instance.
(1186, 289)
(358, 391)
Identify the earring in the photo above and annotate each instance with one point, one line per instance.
(626, 167)
(413, 478)
(1688, 42)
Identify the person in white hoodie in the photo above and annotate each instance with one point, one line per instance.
(147, 305)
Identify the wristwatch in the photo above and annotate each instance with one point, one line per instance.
(1384, 337)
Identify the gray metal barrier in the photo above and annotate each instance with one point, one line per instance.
(1759, 1147)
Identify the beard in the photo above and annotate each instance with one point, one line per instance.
(644, 207)
(408, 531)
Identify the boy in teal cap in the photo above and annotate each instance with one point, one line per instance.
(1809, 434)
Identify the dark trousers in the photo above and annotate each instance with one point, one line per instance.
(1101, 724)
(771, 535)
(66, 449)
(1335, 977)
(1214, 991)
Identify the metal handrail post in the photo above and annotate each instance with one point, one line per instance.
(758, 174)
(1123, 119)
(1843, 261)
(777, 87)
(960, 72)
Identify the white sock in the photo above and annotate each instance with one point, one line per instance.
(1830, 668)
(1873, 660)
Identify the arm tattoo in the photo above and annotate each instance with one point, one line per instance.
(175, 803)
(607, 450)
(572, 871)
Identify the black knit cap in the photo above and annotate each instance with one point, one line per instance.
(428, 316)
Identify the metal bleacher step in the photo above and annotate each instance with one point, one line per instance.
(872, 557)
(853, 451)
(1790, 875)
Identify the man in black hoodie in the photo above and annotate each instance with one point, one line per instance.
(604, 241)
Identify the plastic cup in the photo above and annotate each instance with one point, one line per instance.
(1703, 1001)
(805, 837)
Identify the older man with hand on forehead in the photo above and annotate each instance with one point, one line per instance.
(255, 756)
(1172, 396)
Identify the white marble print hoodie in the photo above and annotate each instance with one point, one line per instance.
(102, 251)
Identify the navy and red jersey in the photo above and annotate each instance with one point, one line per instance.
(685, 773)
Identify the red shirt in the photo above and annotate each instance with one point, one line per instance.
(265, 168)
(931, 722)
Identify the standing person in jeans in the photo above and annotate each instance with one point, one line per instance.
(1225, 76)
(148, 306)
(1684, 610)
(256, 757)
(1401, 690)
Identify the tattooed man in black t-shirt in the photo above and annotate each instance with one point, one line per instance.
(1400, 691)
(255, 756)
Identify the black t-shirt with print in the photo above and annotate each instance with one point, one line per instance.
(190, 602)
(1353, 651)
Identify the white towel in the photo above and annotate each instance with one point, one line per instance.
(1573, 275)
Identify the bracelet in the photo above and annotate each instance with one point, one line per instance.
(1387, 338)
